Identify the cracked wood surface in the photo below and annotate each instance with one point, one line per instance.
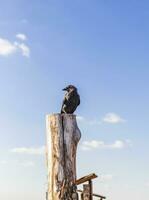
(63, 136)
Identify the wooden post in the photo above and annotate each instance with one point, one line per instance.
(86, 192)
(91, 189)
(63, 136)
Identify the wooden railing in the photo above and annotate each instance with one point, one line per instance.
(87, 192)
(94, 195)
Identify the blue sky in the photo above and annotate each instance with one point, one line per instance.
(101, 47)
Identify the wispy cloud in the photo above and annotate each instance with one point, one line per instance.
(94, 122)
(24, 48)
(29, 150)
(80, 118)
(97, 144)
(27, 163)
(106, 177)
(8, 48)
(21, 36)
(113, 118)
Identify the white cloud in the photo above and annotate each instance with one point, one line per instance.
(113, 118)
(97, 144)
(6, 47)
(29, 150)
(21, 36)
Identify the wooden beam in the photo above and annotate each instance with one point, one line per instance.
(95, 195)
(86, 178)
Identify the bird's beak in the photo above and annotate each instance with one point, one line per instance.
(64, 89)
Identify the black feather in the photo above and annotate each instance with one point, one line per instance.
(71, 100)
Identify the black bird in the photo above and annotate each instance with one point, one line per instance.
(71, 100)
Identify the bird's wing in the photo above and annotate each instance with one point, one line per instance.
(73, 99)
(70, 102)
(65, 102)
(79, 100)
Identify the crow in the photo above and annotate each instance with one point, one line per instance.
(71, 100)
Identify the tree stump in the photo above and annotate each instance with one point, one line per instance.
(63, 136)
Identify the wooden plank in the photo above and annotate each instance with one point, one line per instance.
(85, 178)
(95, 195)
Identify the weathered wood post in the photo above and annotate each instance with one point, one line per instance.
(63, 136)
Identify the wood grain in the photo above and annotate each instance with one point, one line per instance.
(63, 136)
